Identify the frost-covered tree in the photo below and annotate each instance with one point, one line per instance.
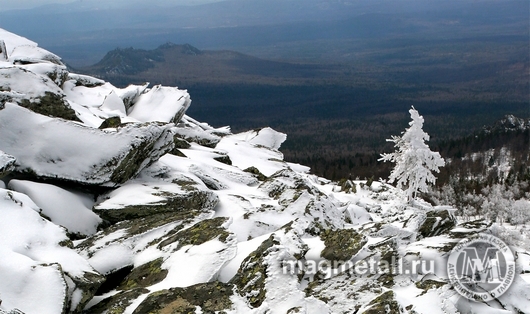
(414, 160)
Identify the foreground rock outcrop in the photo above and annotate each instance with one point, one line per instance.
(68, 151)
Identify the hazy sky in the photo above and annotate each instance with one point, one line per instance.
(27, 4)
(24, 4)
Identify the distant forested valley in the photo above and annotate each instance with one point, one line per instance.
(338, 98)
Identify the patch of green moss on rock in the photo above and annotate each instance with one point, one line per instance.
(341, 244)
(194, 200)
(430, 284)
(67, 243)
(145, 275)
(130, 165)
(385, 303)
(88, 284)
(112, 122)
(436, 223)
(388, 252)
(212, 297)
(255, 171)
(141, 225)
(59, 76)
(117, 303)
(51, 105)
(224, 159)
(199, 233)
(251, 275)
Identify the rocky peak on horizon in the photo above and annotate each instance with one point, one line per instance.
(509, 123)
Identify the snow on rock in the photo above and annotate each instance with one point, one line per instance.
(167, 250)
(197, 254)
(160, 103)
(111, 258)
(130, 94)
(37, 269)
(27, 84)
(30, 287)
(113, 103)
(200, 133)
(61, 206)
(32, 54)
(12, 41)
(245, 154)
(69, 151)
(266, 137)
(34, 91)
(58, 74)
(85, 80)
(7, 163)
(139, 198)
(95, 100)
(263, 283)
(157, 189)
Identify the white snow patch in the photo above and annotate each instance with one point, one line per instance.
(110, 258)
(63, 207)
(161, 104)
(243, 250)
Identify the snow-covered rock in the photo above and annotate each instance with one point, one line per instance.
(12, 41)
(7, 163)
(25, 54)
(64, 150)
(70, 210)
(160, 103)
(40, 273)
(34, 91)
(141, 197)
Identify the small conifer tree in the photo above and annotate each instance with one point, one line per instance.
(414, 160)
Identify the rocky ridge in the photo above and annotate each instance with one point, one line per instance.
(114, 201)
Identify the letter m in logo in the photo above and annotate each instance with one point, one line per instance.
(479, 266)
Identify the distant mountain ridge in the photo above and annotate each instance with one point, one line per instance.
(130, 61)
(184, 65)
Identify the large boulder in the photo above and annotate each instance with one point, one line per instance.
(437, 221)
(160, 103)
(32, 77)
(63, 150)
(147, 196)
(27, 54)
(263, 280)
(34, 91)
(212, 297)
(40, 272)
(180, 253)
(65, 208)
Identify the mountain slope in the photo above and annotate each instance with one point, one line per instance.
(188, 218)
